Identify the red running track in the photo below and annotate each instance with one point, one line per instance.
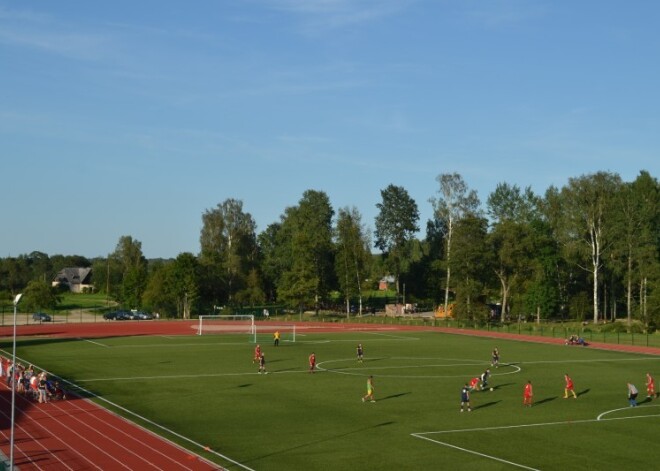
(77, 434)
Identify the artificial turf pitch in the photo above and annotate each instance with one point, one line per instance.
(207, 391)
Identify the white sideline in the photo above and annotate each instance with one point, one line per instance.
(159, 426)
(93, 342)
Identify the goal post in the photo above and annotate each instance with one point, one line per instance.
(265, 332)
(228, 324)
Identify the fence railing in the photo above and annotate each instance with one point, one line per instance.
(589, 334)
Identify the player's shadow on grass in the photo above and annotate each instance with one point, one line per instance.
(488, 404)
(502, 386)
(244, 385)
(547, 399)
(394, 396)
(581, 393)
(648, 399)
(284, 369)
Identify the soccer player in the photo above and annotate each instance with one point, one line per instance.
(360, 353)
(650, 386)
(262, 364)
(484, 378)
(276, 338)
(632, 395)
(465, 398)
(528, 394)
(370, 390)
(569, 387)
(495, 361)
(474, 384)
(257, 354)
(312, 362)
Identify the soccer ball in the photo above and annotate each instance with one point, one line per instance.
(491, 389)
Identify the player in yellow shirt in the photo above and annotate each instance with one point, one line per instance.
(370, 390)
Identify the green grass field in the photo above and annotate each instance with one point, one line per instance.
(207, 390)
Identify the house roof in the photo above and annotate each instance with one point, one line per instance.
(74, 275)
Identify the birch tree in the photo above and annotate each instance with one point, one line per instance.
(228, 246)
(454, 202)
(587, 205)
(352, 254)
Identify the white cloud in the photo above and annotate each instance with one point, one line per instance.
(322, 15)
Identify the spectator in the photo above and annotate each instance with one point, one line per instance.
(43, 393)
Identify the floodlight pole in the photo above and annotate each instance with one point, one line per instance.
(13, 387)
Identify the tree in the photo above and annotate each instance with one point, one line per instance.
(158, 296)
(352, 254)
(635, 248)
(396, 225)
(455, 202)
(473, 267)
(39, 295)
(587, 211)
(184, 283)
(512, 213)
(130, 261)
(541, 294)
(305, 238)
(228, 247)
(272, 258)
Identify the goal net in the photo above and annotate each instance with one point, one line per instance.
(227, 324)
(265, 332)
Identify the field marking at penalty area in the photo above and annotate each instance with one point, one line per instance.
(423, 435)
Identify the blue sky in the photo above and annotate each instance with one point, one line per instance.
(133, 118)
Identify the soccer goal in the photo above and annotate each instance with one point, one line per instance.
(265, 332)
(228, 324)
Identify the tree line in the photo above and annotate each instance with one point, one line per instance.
(588, 250)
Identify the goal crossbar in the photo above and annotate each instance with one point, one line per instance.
(240, 323)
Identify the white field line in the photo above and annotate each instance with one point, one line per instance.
(397, 337)
(93, 342)
(167, 430)
(208, 375)
(542, 424)
(423, 435)
(600, 417)
(360, 371)
(157, 425)
(592, 360)
(495, 458)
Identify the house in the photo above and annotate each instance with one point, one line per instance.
(77, 279)
(386, 282)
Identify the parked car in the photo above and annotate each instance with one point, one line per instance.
(117, 316)
(143, 316)
(41, 317)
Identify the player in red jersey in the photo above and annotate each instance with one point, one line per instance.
(474, 384)
(650, 386)
(569, 387)
(312, 362)
(528, 394)
(257, 353)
